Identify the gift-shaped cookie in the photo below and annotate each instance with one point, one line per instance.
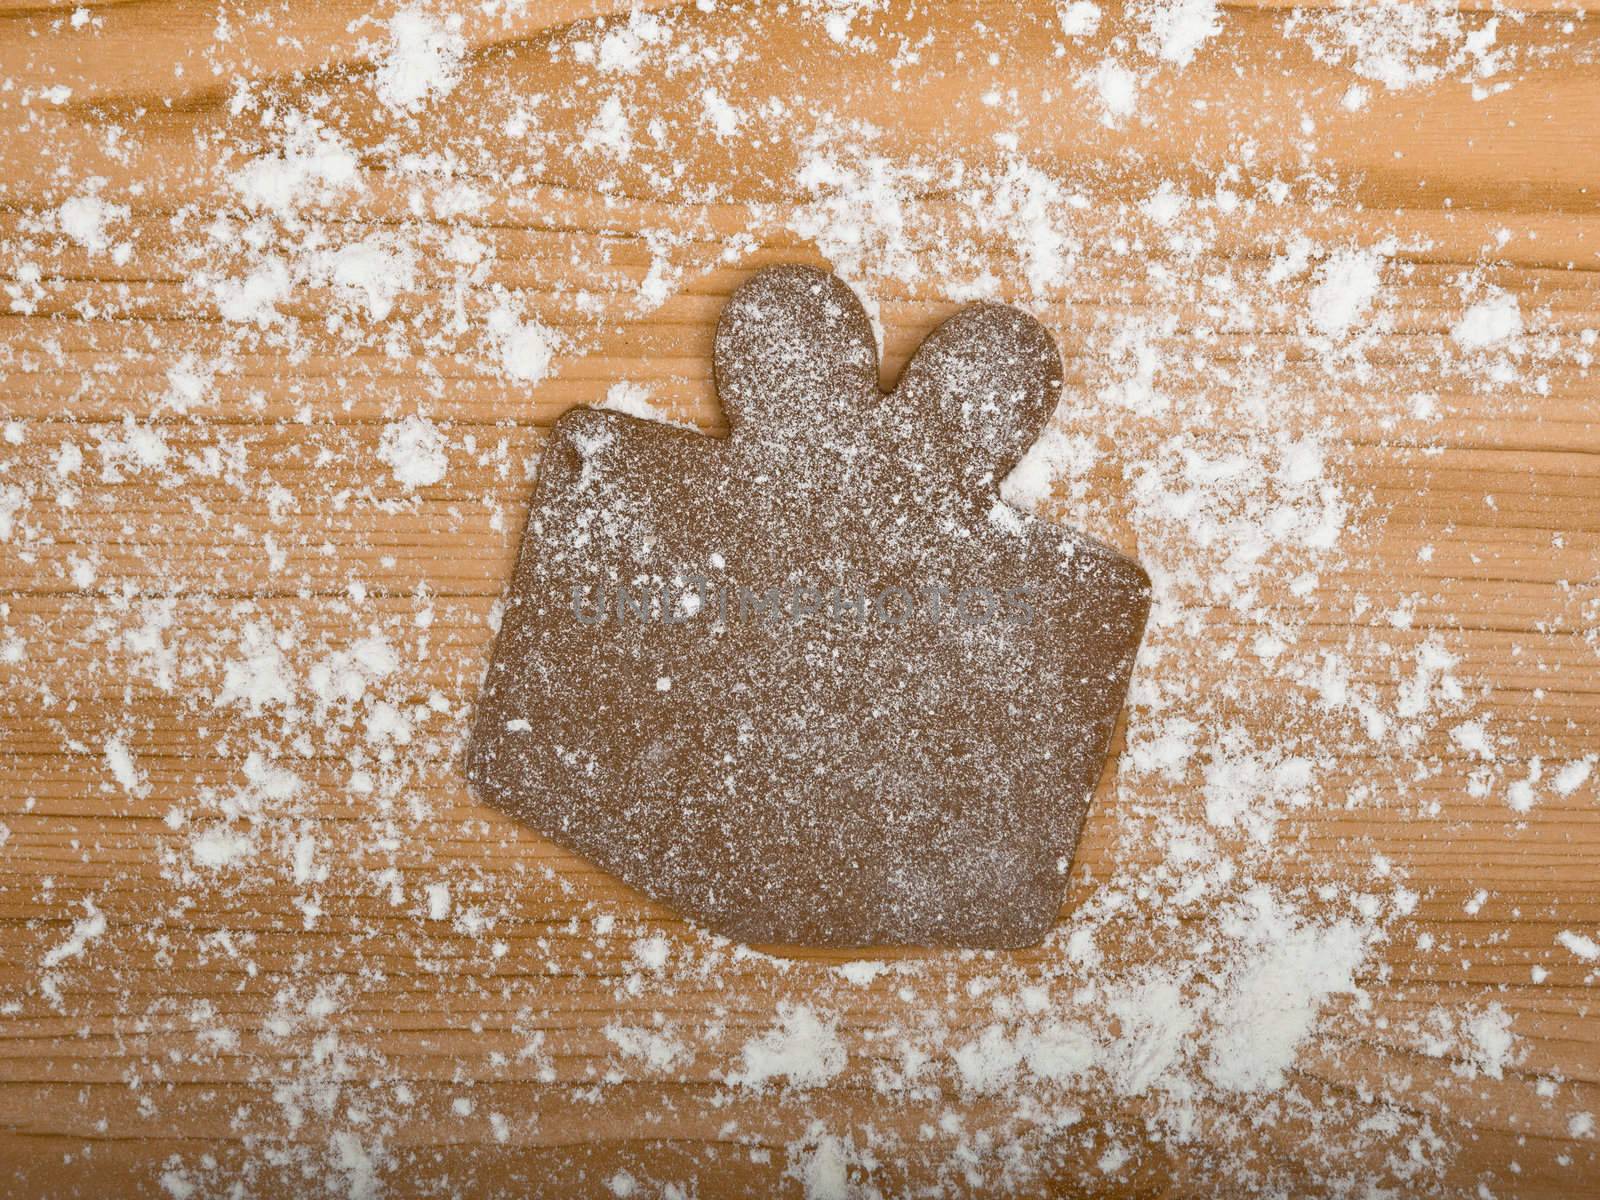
(815, 682)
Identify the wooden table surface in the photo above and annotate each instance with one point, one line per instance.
(1327, 282)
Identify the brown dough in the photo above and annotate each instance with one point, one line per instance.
(797, 773)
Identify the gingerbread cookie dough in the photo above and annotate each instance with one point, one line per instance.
(815, 683)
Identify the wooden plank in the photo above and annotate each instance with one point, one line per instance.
(255, 931)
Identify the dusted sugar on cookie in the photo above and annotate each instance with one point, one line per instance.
(816, 682)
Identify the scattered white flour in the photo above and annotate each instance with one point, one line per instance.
(635, 400)
(1584, 947)
(86, 220)
(259, 678)
(373, 245)
(652, 953)
(1286, 973)
(415, 450)
(371, 273)
(131, 447)
(84, 931)
(862, 971)
(313, 163)
(720, 117)
(821, 1163)
(1401, 44)
(1155, 1025)
(524, 348)
(988, 1063)
(254, 299)
(1346, 286)
(1490, 1041)
(124, 769)
(802, 1049)
(624, 47)
(221, 847)
(1117, 88)
(1495, 319)
(1079, 18)
(659, 1050)
(1573, 775)
(1165, 204)
(1175, 29)
(611, 130)
(1055, 456)
(438, 895)
(422, 60)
